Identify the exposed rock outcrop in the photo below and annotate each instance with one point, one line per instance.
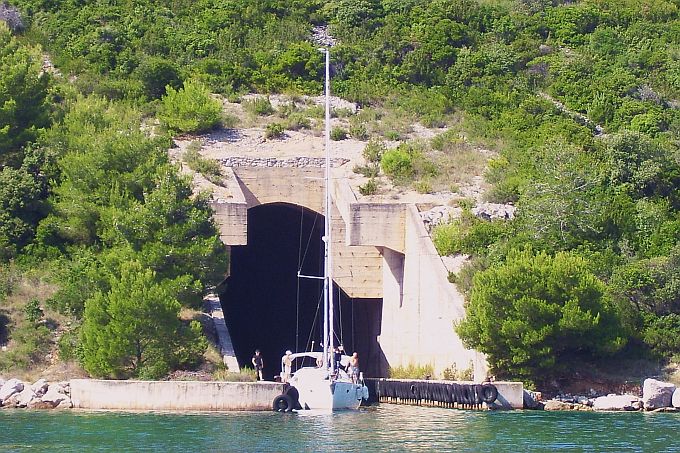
(675, 401)
(557, 405)
(617, 403)
(9, 388)
(657, 394)
(39, 395)
(494, 211)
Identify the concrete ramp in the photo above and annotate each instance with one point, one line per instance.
(214, 309)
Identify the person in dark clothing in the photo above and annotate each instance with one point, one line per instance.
(337, 357)
(258, 363)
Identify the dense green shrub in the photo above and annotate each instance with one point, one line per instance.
(369, 188)
(338, 133)
(373, 151)
(398, 163)
(274, 130)
(536, 316)
(134, 331)
(190, 109)
(296, 121)
(156, 73)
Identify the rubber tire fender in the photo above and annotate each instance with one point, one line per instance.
(478, 394)
(455, 389)
(450, 397)
(282, 403)
(466, 393)
(489, 393)
(439, 392)
(295, 396)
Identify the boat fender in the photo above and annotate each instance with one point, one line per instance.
(478, 394)
(466, 394)
(282, 403)
(295, 396)
(455, 393)
(450, 397)
(489, 393)
(364, 393)
(459, 393)
(442, 392)
(436, 392)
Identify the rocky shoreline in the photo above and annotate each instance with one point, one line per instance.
(657, 396)
(15, 393)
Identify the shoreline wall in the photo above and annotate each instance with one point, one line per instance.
(174, 395)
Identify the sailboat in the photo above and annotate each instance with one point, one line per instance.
(322, 384)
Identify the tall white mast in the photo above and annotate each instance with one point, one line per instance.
(328, 263)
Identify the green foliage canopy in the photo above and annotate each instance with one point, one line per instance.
(134, 331)
(537, 314)
(190, 109)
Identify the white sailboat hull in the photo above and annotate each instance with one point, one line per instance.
(318, 392)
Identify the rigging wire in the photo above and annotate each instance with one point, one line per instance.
(301, 259)
(297, 290)
(352, 304)
(342, 340)
(311, 331)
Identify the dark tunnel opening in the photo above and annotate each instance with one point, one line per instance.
(263, 308)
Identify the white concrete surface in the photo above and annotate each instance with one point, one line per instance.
(173, 395)
(214, 308)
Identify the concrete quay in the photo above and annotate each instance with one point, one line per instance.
(97, 394)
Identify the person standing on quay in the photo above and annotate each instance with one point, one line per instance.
(258, 363)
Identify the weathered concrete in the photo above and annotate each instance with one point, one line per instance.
(230, 209)
(173, 395)
(420, 306)
(214, 308)
(380, 250)
(510, 395)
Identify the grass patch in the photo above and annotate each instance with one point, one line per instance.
(412, 371)
(259, 106)
(209, 168)
(452, 373)
(244, 375)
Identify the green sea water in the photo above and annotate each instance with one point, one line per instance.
(383, 428)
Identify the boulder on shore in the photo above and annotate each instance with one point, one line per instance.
(54, 396)
(617, 403)
(675, 401)
(40, 387)
(657, 394)
(557, 405)
(9, 388)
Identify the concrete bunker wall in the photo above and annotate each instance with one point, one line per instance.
(381, 251)
(420, 306)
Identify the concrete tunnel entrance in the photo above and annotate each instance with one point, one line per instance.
(267, 307)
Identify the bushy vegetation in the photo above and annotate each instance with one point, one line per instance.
(577, 102)
(189, 109)
(411, 371)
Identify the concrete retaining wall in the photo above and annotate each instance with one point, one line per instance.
(173, 395)
(420, 306)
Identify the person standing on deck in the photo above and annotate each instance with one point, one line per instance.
(258, 363)
(287, 366)
(354, 368)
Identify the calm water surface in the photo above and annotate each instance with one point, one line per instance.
(379, 428)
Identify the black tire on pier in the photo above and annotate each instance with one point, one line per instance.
(295, 396)
(489, 393)
(282, 403)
